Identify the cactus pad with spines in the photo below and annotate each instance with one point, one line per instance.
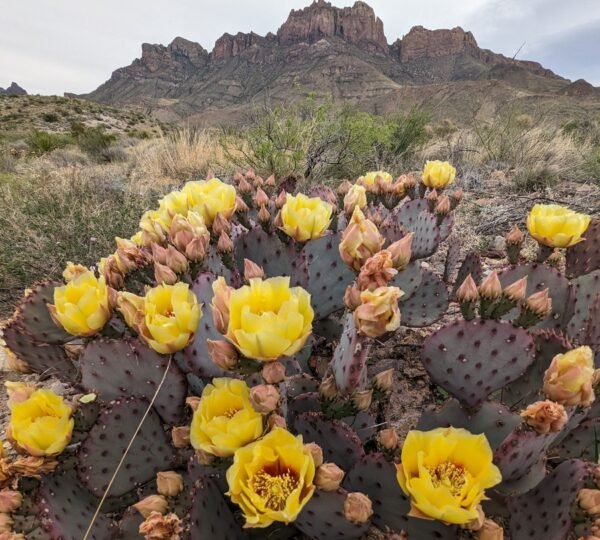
(115, 368)
(340, 443)
(586, 289)
(300, 384)
(129, 526)
(471, 265)
(584, 257)
(106, 442)
(582, 442)
(472, 359)
(349, 363)
(446, 227)
(427, 303)
(544, 512)
(66, 509)
(427, 236)
(409, 279)
(492, 419)
(363, 424)
(452, 258)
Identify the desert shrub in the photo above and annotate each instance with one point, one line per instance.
(41, 142)
(68, 157)
(94, 141)
(50, 117)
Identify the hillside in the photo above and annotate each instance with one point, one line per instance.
(338, 52)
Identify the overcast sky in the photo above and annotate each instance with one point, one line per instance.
(53, 46)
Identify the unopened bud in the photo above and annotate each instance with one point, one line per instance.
(10, 501)
(196, 250)
(491, 288)
(517, 291)
(6, 524)
(176, 260)
(164, 274)
(152, 503)
(159, 253)
(273, 372)
(271, 182)
(589, 500)
(258, 182)
(193, 402)
(490, 530)
(252, 270)
(375, 216)
(316, 452)
(264, 216)
(250, 175)
(204, 458)
(467, 292)
(352, 297)
(514, 237)
(431, 199)
(328, 388)
(362, 400)
(455, 198)
(224, 245)
(264, 398)
(442, 207)
(384, 380)
(344, 187)
(477, 523)
(169, 483)
(328, 477)
(223, 354)
(244, 186)
(221, 224)
(261, 198)
(238, 177)
(240, 206)
(401, 251)
(388, 438)
(358, 508)
(540, 303)
(281, 199)
(180, 436)
(277, 421)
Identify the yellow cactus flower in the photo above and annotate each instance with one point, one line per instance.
(356, 196)
(305, 218)
(171, 317)
(225, 419)
(361, 239)
(267, 319)
(438, 174)
(41, 425)
(445, 472)
(370, 178)
(570, 378)
(272, 479)
(378, 311)
(81, 306)
(556, 226)
(211, 197)
(151, 229)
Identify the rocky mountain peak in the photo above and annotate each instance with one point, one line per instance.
(423, 43)
(13, 90)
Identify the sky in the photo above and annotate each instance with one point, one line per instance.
(56, 46)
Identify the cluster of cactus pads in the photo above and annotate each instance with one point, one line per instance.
(236, 408)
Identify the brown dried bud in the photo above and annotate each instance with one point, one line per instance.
(491, 288)
(328, 388)
(375, 216)
(358, 508)
(467, 292)
(240, 206)
(589, 500)
(344, 187)
(477, 523)
(388, 438)
(223, 354)
(169, 483)
(250, 175)
(159, 527)
(271, 182)
(180, 435)
(264, 216)
(244, 186)
(33, 466)
(377, 271)
(224, 245)
(10, 501)
(328, 477)
(192, 402)
(252, 270)
(385, 379)
(490, 530)
(152, 503)
(514, 237)
(432, 198)
(352, 297)
(176, 260)
(517, 291)
(159, 253)
(238, 177)
(163, 274)
(221, 224)
(401, 251)
(540, 303)
(204, 458)
(18, 392)
(545, 416)
(281, 199)
(316, 452)
(442, 207)
(261, 198)
(6, 523)
(264, 398)
(410, 182)
(273, 372)
(455, 198)
(276, 421)
(258, 182)
(362, 400)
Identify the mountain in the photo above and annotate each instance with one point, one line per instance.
(13, 90)
(322, 49)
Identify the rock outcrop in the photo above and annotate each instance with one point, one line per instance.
(13, 90)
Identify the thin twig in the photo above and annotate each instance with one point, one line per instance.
(137, 430)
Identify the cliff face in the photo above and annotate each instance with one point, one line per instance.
(339, 51)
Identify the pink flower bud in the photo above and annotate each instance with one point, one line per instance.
(223, 354)
(273, 372)
(467, 292)
(261, 198)
(401, 251)
(169, 483)
(152, 503)
(252, 270)
(358, 508)
(10, 501)
(180, 436)
(517, 291)
(264, 398)
(164, 274)
(224, 245)
(328, 477)
(491, 288)
(316, 452)
(388, 438)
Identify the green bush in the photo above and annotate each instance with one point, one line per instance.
(50, 117)
(93, 140)
(41, 142)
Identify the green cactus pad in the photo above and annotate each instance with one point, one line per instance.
(106, 442)
(195, 358)
(584, 257)
(340, 443)
(328, 275)
(427, 304)
(586, 289)
(472, 359)
(452, 258)
(276, 257)
(527, 388)
(43, 358)
(471, 265)
(66, 509)
(127, 368)
(376, 477)
(409, 279)
(349, 363)
(539, 277)
(582, 442)
(210, 517)
(35, 317)
(492, 419)
(323, 518)
(544, 512)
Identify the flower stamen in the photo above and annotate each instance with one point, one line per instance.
(448, 475)
(274, 488)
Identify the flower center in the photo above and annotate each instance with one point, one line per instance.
(274, 488)
(448, 475)
(230, 413)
